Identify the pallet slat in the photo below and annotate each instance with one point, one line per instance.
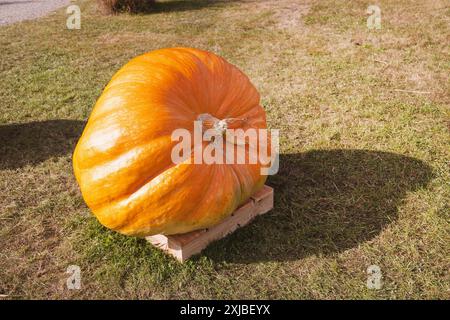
(183, 246)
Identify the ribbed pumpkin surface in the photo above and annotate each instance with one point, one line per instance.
(122, 161)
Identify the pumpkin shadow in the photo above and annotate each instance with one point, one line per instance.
(34, 142)
(326, 201)
(180, 5)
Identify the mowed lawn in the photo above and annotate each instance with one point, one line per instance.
(364, 166)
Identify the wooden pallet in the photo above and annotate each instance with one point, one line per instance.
(183, 246)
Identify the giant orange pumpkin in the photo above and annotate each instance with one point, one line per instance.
(122, 161)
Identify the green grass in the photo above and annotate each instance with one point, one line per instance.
(363, 178)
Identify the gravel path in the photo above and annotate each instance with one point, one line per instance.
(17, 10)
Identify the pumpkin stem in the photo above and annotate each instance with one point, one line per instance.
(220, 127)
(210, 122)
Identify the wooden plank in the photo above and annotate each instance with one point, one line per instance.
(183, 246)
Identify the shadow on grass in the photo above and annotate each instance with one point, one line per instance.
(185, 5)
(326, 201)
(176, 6)
(34, 142)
